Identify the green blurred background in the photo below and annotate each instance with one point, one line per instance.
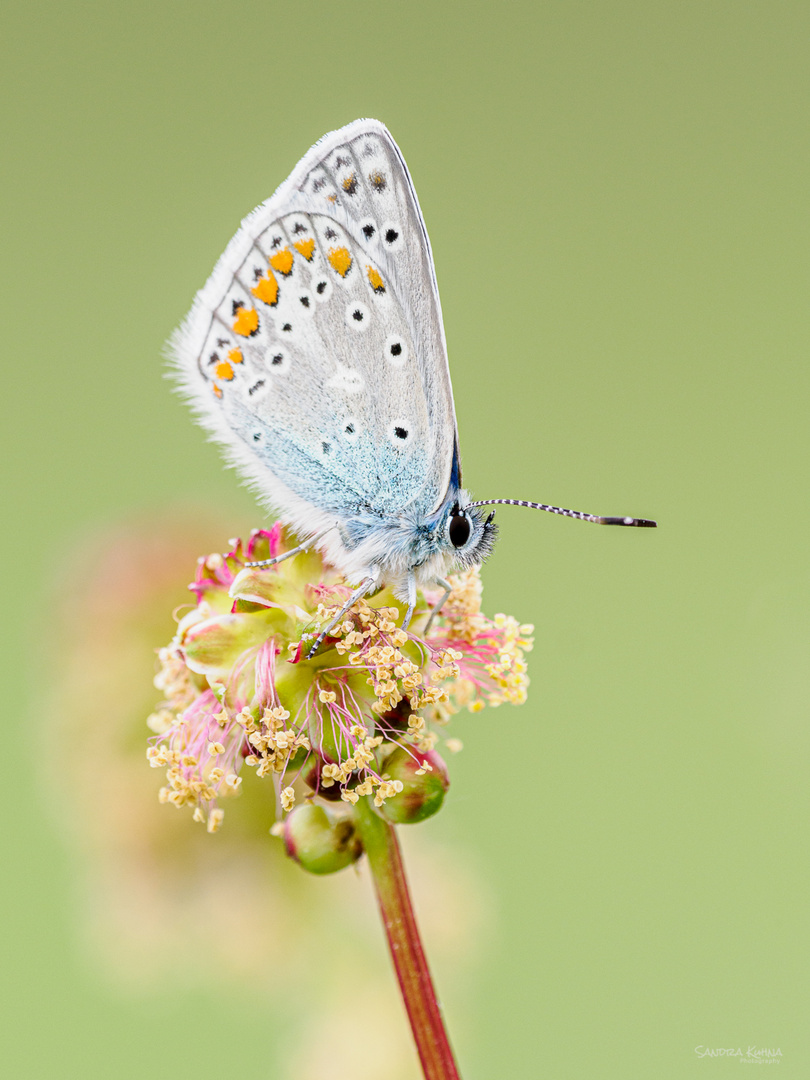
(617, 196)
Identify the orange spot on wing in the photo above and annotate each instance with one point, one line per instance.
(235, 356)
(246, 322)
(305, 248)
(340, 260)
(223, 370)
(218, 391)
(282, 261)
(266, 290)
(374, 280)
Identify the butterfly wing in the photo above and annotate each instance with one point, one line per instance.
(315, 352)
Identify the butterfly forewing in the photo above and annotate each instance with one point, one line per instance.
(318, 341)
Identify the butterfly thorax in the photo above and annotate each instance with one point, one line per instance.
(393, 548)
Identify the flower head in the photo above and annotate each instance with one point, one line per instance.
(360, 719)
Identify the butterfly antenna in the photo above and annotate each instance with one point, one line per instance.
(639, 523)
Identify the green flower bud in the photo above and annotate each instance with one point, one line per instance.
(424, 782)
(321, 842)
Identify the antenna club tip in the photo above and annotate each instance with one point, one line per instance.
(638, 523)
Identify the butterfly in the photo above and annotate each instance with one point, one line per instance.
(315, 354)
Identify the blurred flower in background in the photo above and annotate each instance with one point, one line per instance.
(162, 904)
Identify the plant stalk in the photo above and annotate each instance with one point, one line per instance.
(385, 858)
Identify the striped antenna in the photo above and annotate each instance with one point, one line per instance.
(639, 523)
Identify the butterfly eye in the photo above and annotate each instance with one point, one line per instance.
(460, 530)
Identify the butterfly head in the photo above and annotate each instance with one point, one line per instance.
(469, 534)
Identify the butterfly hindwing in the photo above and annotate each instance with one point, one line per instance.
(318, 340)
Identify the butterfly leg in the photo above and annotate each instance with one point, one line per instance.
(448, 588)
(406, 622)
(369, 585)
(293, 551)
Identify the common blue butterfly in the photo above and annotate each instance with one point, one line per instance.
(315, 354)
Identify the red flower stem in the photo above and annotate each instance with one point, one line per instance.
(384, 856)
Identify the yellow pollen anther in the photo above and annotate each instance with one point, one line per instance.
(287, 798)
